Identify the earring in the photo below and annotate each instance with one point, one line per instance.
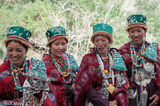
(109, 48)
(144, 38)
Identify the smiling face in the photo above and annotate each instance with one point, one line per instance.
(58, 48)
(137, 34)
(102, 44)
(16, 53)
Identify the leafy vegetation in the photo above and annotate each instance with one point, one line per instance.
(78, 18)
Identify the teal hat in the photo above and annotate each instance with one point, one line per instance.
(56, 32)
(102, 29)
(20, 34)
(136, 20)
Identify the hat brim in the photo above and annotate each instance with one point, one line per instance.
(135, 25)
(18, 39)
(55, 38)
(102, 33)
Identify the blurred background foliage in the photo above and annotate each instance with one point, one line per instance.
(78, 18)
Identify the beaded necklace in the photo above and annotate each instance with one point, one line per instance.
(15, 73)
(137, 65)
(106, 74)
(64, 74)
(137, 61)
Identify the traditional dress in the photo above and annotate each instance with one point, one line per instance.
(100, 81)
(24, 87)
(60, 74)
(143, 72)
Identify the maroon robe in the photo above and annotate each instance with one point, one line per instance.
(7, 86)
(154, 86)
(57, 96)
(89, 83)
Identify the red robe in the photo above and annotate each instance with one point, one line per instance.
(7, 86)
(154, 86)
(90, 77)
(7, 83)
(57, 95)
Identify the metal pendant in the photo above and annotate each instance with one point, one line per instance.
(131, 93)
(104, 92)
(148, 67)
(111, 88)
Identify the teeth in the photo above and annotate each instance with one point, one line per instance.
(14, 59)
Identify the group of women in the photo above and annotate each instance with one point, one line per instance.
(128, 76)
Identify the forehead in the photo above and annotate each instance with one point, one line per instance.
(14, 44)
(60, 39)
(136, 28)
(101, 37)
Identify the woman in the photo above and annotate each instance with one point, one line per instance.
(61, 68)
(101, 79)
(142, 61)
(22, 81)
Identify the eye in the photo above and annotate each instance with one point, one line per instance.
(56, 44)
(103, 40)
(9, 50)
(19, 50)
(139, 30)
(63, 43)
(97, 40)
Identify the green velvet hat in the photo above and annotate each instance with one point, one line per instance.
(20, 34)
(136, 20)
(56, 32)
(102, 29)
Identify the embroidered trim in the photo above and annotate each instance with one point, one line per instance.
(151, 52)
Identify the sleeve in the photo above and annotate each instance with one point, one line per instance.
(73, 63)
(84, 87)
(6, 82)
(157, 67)
(94, 97)
(81, 84)
(38, 70)
(121, 91)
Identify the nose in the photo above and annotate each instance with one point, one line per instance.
(14, 53)
(100, 43)
(136, 34)
(60, 47)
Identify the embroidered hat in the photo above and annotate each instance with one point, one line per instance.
(102, 29)
(136, 20)
(56, 32)
(20, 34)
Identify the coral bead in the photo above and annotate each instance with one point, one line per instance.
(106, 71)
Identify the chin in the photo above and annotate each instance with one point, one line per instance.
(60, 56)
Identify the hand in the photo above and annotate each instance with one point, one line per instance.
(113, 103)
(155, 101)
(67, 90)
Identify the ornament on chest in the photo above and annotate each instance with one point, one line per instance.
(145, 74)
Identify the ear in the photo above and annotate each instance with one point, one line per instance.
(26, 51)
(129, 35)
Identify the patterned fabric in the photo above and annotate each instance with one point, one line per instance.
(151, 52)
(154, 86)
(89, 79)
(136, 20)
(118, 61)
(103, 29)
(7, 87)
(55, 32)
(56, 96)
(38, 69)
(20, 33)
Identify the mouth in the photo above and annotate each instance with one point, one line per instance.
(100, 49)
(14, 59)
